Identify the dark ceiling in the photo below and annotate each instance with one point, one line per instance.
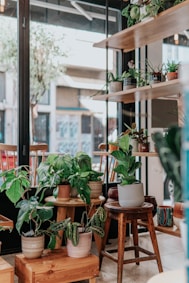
(57, 12)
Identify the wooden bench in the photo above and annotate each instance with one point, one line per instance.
(56, 267)
(6, 272)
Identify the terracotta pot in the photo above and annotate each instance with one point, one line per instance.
(64, 192)
(172, 76)
(112, 147)
(83, 248)
(32, 247)
(96, 188)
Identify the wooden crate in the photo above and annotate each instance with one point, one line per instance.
(6, 272)
(56, 267)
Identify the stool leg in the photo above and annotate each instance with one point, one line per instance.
(103, 242)
(92, 280)
(135, 238)
(151, 229)
(121, 245)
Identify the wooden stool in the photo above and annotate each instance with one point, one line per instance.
(56, 267)
(6, 271)
(129, 215)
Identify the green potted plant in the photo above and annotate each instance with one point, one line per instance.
(151, 8)
(172, 70)
(85, 178)
(132, 13)
(142, 138)
(54, 173)
(155, 73)
(115, 82)
(130, 190)
(31, 211)
(130, 77)
(78, 235)
(132, 132)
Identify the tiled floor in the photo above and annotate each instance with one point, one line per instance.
(172, 256)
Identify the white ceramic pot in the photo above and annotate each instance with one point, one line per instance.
(83, 248)
(32, 247)
(131, 195)
(134, 144)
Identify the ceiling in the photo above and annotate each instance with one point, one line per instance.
(80, 14)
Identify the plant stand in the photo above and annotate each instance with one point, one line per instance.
(56, 266)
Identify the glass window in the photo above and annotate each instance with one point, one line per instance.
(42, 128)
(2, 86)
(2, 123)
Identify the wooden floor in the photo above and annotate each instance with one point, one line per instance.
(172, 256)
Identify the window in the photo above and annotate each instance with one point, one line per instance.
(41, 125)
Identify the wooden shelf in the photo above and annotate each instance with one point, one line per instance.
(158, 90)
(5, 222)
(165, 24)
(141, 154)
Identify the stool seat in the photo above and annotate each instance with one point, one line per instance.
(130, 215)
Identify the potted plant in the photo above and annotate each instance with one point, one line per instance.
(142, 138)
(172, 70)
(132, 13)
(33, 214)
(130, 77)
(115, 82)
(132, 132)
(54, 173)
(151, 8)
(85, 178)
(155, 73)
(63, 170)
(78, 235)
(130, 190)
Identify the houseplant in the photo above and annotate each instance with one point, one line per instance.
(60, 170)
(130, 77)
(31, 211)
(78, 235)
(132, 132)
(155, 73)
(130, 190)
(85, 178)
(115, 82)
(142, 138)
(171, 68)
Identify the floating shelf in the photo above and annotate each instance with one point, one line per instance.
(165, 24)
(158, 90)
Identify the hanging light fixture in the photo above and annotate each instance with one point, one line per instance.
(2, 6)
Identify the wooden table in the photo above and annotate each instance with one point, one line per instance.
(66, 208)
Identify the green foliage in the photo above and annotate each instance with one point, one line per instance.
(172, 66)
(127, 164)
(114, 78)
(132, 13)
(94, 224)
(169, 151)
(16, 182)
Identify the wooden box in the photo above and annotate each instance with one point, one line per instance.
(56, 267)
(6, 272)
